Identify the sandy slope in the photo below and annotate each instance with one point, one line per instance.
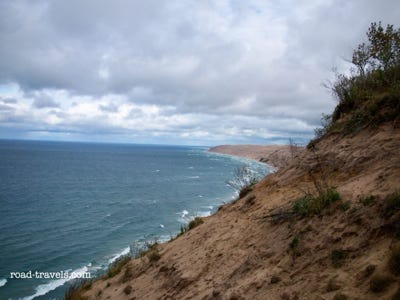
(243, 253)
(274, 155)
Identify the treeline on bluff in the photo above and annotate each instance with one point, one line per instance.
(370, 95)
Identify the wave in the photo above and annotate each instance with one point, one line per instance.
(3, 282)
(125, 251)
(43, 289)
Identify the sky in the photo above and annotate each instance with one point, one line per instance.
(176, 72)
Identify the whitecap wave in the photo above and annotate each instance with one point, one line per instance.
(3, 282)
(184, 213)
(204, 213)
(118, 255)
(43, 289)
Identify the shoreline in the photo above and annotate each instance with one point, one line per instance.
(275, 156)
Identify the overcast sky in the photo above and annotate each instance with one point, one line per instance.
(175, 72)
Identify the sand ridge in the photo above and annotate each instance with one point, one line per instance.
(241, 252)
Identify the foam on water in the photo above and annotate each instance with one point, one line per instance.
(43, 289)
(125, 251)
(3, 282)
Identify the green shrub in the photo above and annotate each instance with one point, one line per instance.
(345, 206)
(337, 257)
(245, 190)
(310, 204)
(128, 289)
(294, 243)
(367, 200)
(379, 283)
(195, 222)
(154, 255)
(302, 206)
(370, 95)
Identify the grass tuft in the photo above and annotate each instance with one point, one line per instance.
(310, 205)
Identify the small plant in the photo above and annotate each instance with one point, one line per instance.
(195, 222)
(337, 257)
(394, 260)
(117, 265)
(379, 283)
(275, 279)
(154, 255)
(345, 206)
(309, 204)
(108, 284)
(294, 243)
(127, 274)
(367, 200)
(128, 289)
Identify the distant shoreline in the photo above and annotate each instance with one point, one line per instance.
(273, 155)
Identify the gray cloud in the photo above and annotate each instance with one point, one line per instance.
(45, 103)
(251, 59)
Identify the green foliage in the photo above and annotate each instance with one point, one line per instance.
(192, 224)
(370, 96)
(367, 200)
(310, 204)
(294, 243)
(154, 255)
(337, 257)
(345, 206)
(195, 222)
(379, 283)
(245, 190)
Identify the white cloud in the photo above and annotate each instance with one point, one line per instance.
(193, 71)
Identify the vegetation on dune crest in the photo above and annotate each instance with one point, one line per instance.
(370, 95)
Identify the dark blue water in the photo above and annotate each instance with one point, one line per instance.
(77, 206)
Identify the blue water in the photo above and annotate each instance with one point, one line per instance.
(77, 206)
